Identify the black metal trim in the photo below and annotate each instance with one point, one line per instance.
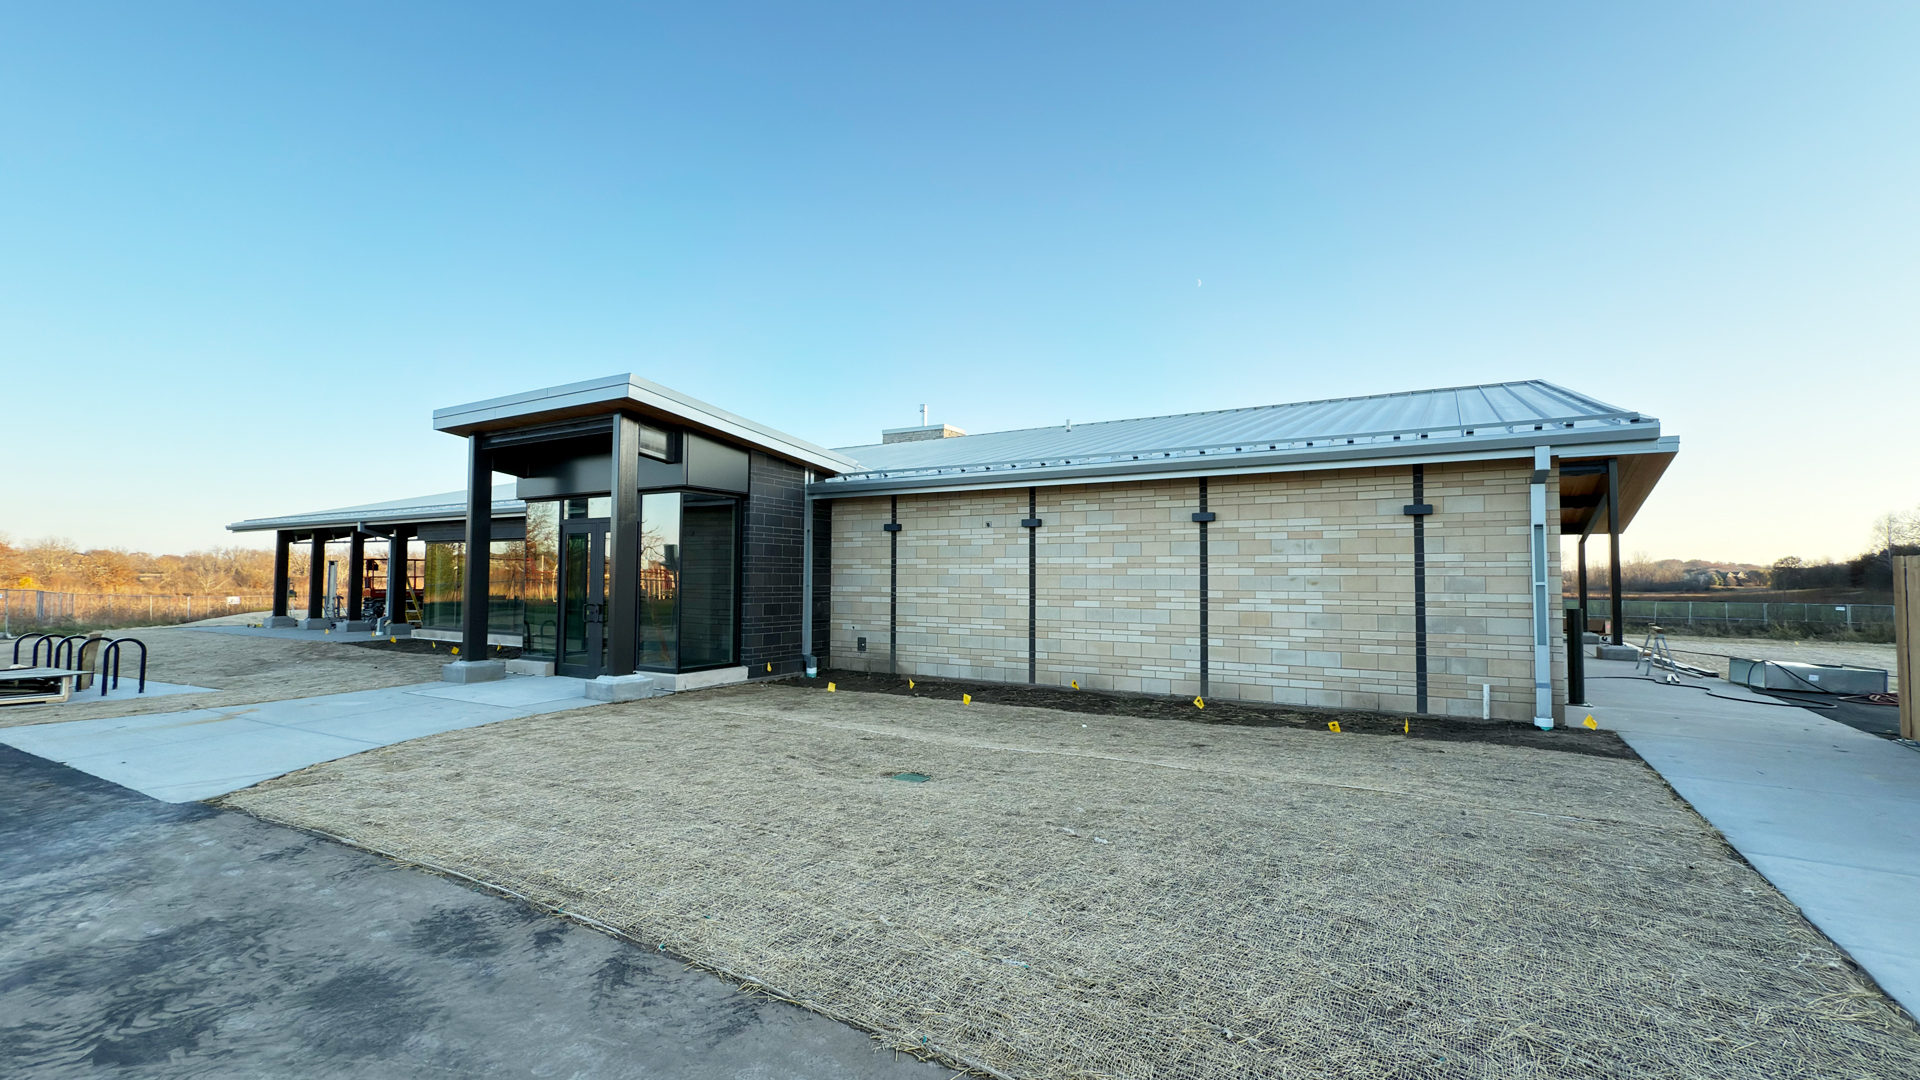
(1203, 517)
(891, 526)
(1032, 525)
(570, 429)
(893, 589)
(1419, 510)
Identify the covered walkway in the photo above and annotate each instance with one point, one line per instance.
(1829, 814)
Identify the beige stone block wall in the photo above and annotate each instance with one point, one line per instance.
(1311, 587)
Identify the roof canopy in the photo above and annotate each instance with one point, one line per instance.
(447, 506)
(630, 394)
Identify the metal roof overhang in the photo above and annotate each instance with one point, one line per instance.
(451, 506)
(640, 397)
(1625, 440)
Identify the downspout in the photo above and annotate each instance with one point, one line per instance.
(806, 579)
(1542, 627)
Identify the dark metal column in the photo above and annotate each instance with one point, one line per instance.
(1032, 524)
(1419, 511)
(282, 541)
(397, 578)
(356, 574)
(1583, 586)
(316, 575)
(893, 588)
(476, 595)
(1613, 567)
(623, 551)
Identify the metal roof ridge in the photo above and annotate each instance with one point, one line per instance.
(1608, 409)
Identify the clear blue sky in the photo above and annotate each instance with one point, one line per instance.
(245, 249)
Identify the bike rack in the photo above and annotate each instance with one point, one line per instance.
(65, 648)
(33, 658)
(112, 656)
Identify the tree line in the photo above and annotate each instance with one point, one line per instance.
(58, 565)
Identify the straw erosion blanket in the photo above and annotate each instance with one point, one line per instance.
(1076, 895)
(243, 670)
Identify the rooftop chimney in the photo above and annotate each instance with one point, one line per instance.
(915, 434)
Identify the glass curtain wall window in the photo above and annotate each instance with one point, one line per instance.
(689, 569)
(444, 574)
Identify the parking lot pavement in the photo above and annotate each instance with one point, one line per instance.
(153, 939)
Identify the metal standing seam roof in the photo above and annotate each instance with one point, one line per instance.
(1448, 421)
(446, 506)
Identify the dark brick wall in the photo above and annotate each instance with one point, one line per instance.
(770, 598)
(822, 580)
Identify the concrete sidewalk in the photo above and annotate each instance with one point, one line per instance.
(1829, 814)
(186, 756)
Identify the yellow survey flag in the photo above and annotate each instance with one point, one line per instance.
(1406, 726)
(909, 684)
(966, 699)
(769, 665)
(1333, 726)
(1198, 704)
(1590, 724)
(456, 650)
(829, 688)
(1076, 684)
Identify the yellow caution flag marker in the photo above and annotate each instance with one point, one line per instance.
(1075, 684)
(769, 665)
(909, 684)
(829, 688)
(456, 650)
(1591, 726)
(1198, 704)
(390, 641)
(1406, 726)
(1333, 726)
(966, 699)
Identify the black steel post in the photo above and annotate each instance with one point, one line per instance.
(1582, 548)
(1576, 662)
(1033, 584)
(622, 628)
(476, 596)
(1617, 614)
(1420, 590)
(356, 574)
(316, 575)
(893, 587)
(397, 577)
(282, 542)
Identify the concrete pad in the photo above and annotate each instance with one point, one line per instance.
(474, 671)
(129, 690)
(698, 680)
(277, 621)
(1829, 814)
(518, 690)
(316, 624)
(202, 753)
(622, 688)
(524, 666)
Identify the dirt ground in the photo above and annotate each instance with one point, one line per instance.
(1080, 894)
(1712, 652)
(242, 671)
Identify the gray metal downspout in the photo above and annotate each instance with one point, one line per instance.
(1542, 623)
(1617, 612)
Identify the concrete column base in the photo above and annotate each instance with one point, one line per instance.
(398, 630)
(280, 621)
(316, 624)
(473, 671)
(362, 625)
(1617, 652)
(620, 688)
(530, 667)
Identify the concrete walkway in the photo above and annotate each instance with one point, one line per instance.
(186, 756)
(1829, 814)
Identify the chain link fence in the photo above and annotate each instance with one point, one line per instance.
(1755, 616)
(25, 611)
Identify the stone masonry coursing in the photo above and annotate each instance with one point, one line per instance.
(1311, 587)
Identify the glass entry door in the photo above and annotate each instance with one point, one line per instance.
(583, 599)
